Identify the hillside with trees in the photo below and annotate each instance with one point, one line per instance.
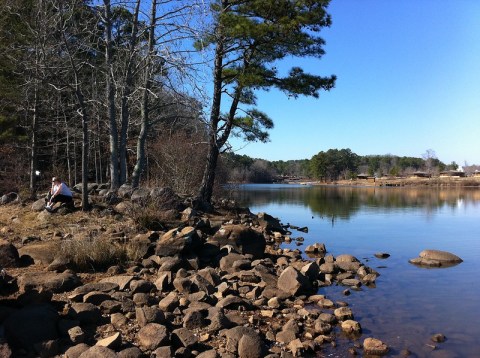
(331, 165)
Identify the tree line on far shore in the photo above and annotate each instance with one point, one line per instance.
(334, 164)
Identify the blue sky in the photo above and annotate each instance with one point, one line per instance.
(408, 80)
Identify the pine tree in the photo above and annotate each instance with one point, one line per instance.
(250, 38)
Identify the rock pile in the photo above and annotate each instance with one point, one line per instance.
(211, 287)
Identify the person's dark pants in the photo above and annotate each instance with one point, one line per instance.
(62, 199)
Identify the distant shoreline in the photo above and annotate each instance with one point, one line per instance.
(400, 182)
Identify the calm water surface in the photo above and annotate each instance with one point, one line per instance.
(409, 304)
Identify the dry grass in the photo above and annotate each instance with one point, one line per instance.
(93, 254)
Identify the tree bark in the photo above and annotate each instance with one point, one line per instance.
(127, 91)
(145, 111)
(110, 96)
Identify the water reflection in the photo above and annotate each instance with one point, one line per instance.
(344, 202)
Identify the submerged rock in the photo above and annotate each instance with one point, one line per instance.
(436, 258)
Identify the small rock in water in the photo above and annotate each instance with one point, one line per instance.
(374, 346)
(439, 338)
(382, 255)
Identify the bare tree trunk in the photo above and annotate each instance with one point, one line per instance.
(34, 145)
(69, 165)
(127, 91)
(110, 94)
(142, 138)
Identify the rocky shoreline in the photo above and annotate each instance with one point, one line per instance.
(214, 285)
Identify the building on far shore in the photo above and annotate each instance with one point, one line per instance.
(476, 174)
(421, 175)
(368, 178)
(452, 174)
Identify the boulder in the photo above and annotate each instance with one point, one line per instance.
(183, 337)
(8, 198)
(76, 351)
(38, 205)
(316, 249)
(293, 282)
(140, 195)
(122, 282)
(351, 327)
(98, 351)
(145, 315)
(43, 253)
(374, 346)
(132, 352)
(31, 325)
(8, 254)
(251, 345)
(152, 336)
(85, 313)
(166, 199)
(443, 256)
(114, 341)
(48, 281)
(269, 223)
(177, 241)
(436, 258)
(243, 239)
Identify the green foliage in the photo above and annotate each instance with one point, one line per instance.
(251, 37)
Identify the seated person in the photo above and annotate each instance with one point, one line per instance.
(59, 193)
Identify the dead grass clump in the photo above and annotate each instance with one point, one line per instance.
(94, 253)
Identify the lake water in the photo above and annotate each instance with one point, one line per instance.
(409, 304)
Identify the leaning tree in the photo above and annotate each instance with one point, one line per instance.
(250, 38)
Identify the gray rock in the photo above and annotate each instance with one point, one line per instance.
(443, 256)
(269, 223)
(169, 303)
(236, 334)
(76, 335)
(123, 282)
(251, 346)
(374, 346)
(86, 313)
(316, 249)
(176, 242)
(140, 195)
(351, 327)
(31, 325)
(212, 353)
(194, 319)
(98, 351)
(96, 297)
(343, 313)
(114, 341)
(48, 281)
(152, 336)
(184, 337)
(132, 352)
(142, 286)
(438, 338)
(145, 315)
(293, 282)
(76, 351)
(43, 253)
(164, 281)
(38, 205)
(244, 239)
(8, 254)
